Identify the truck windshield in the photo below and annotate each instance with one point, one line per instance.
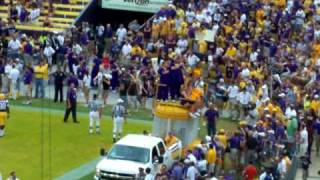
(129, 153)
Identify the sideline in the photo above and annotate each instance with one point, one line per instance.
(82, 114)
(81, 171)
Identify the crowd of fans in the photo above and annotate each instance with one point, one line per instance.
(261, 69)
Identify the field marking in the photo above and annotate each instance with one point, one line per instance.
(81, 171)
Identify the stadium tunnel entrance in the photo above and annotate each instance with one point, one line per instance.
(95, 14)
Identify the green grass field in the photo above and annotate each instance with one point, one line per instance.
(27, 148)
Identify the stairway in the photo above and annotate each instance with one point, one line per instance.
(63, 17)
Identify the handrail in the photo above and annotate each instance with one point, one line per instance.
(91, 3)
(291, 173)
(145, 23)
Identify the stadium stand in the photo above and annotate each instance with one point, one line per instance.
(61, 18)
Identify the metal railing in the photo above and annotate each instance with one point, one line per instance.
(291, 174)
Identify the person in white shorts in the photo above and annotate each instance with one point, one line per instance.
(118, 117)
(95, 114)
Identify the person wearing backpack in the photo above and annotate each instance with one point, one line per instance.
(118, 117)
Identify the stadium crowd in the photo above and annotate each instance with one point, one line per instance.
(261, 69)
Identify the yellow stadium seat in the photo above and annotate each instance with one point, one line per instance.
(60, 20)
(55, 25)
(3, 15)
(65, 13)
(3, 8)
(37, 28)
(65, 6)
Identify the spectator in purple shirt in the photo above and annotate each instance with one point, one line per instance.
(211, 116)
(27, 80)
(73, 80)
(177, 171)
(71, 104)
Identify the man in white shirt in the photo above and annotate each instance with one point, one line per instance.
(290, 111)
(100, 30)
(34, 14)
(48, 52)
(244, 99)
(233, 92)
(121, 33)
(5, 79)
(126, 49)
(192, 172)
(60, 38)
(192, 59)
(282, 167)
(303, 140)
(14, 46)
(149, 176)
(77, 49)
(182, 45)
(14, 76)
(190, 15)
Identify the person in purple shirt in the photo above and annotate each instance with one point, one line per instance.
(211, 116)
(95, 69)
(163, 90)
(27, 80)
(65, 2)
(176, 80)
(234, 145)
(316, 127)
(280, 132)
(73, 80)
(71, 57)
(114, 82)
(71, 104)
(177, 171)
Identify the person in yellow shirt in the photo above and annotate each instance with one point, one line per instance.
(231, 51)
(41, 72)
(155, 30)
(164, 27)
(222, 137)
(170, 139)
(211, 159)
(203, 47)
(315, 105)
(180, 13)
(4, 113)
(183, 29)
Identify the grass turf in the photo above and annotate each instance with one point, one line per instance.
(143, 114)
(25, 150)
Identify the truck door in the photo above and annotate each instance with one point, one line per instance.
(155, 159)
(164, 154)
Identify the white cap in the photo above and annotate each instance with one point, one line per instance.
(120, 100)
(281, 95)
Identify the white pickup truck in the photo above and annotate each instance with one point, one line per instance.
(133, 152)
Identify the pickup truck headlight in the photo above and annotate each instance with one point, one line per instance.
(98, 172)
